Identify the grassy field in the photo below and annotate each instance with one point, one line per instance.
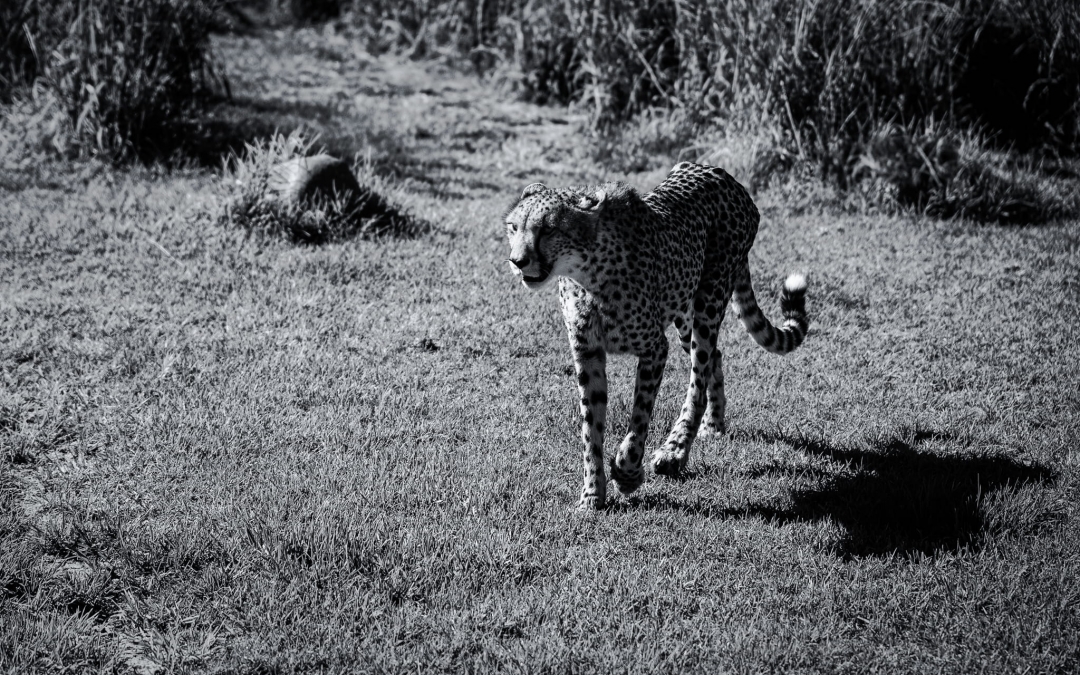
(222, 452)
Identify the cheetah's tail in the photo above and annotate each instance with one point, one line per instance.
(792, 304)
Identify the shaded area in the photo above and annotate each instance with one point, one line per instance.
(900, 499)
(230, 124)
(896, 498)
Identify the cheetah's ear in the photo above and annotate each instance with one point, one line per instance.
(592, 202)
(532, 189)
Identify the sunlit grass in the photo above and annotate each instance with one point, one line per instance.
(227, 450)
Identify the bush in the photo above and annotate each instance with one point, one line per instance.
(128, 70)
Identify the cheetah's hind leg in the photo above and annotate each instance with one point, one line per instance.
(671, 458)
(712, 422)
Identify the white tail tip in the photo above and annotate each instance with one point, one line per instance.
(795, 283)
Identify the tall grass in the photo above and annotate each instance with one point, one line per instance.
(124, 71)
(827, 76)
(28, 30)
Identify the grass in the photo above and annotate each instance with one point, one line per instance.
(337, 208)
(815, 82)
(125, 74)
(223, 452)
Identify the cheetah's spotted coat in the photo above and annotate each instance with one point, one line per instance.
(628, 266)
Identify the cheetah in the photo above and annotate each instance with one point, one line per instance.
(630, 265)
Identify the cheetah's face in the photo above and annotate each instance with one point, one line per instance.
(550, 232)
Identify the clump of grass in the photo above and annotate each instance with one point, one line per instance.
(994, 187)
(33, 127)
(341, 211)
(29, 29)
(646, 141)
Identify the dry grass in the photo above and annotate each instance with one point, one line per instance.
(125, 73)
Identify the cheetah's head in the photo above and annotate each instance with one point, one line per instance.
(550, 231)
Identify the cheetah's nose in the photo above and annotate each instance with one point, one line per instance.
(521, 263)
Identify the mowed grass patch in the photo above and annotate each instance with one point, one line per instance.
(226, 452)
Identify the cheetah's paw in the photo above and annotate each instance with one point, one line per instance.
(712, 428)
(627, 479)
(668, 462)
(589, 503)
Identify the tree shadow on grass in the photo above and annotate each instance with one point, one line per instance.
(894, 499)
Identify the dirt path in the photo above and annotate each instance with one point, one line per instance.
(437, 131)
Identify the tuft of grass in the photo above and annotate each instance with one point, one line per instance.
(33, 129)
(317, 218)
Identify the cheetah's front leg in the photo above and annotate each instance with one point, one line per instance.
(626, 465)
(590, 365)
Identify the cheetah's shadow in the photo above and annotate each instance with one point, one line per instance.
(895, 498)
